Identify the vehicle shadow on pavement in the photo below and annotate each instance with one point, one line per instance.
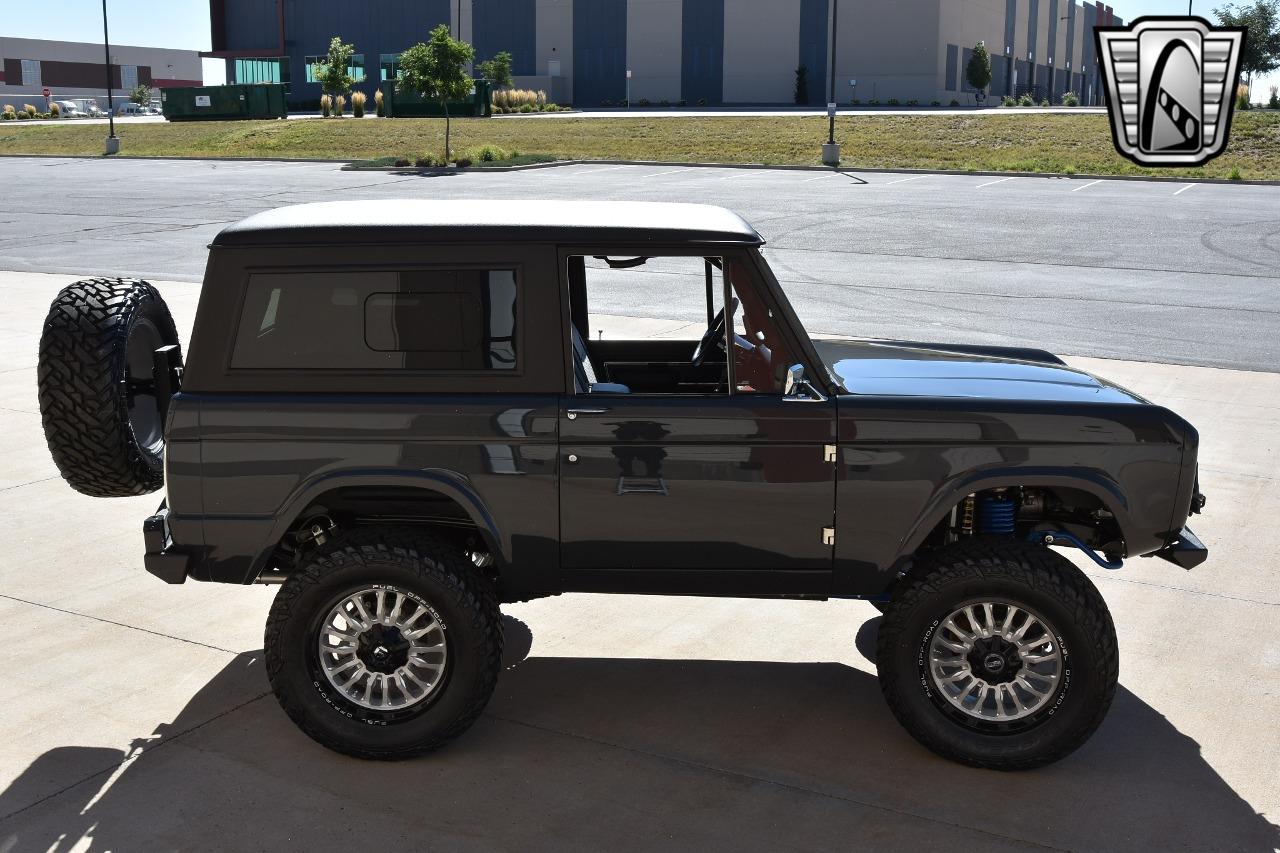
(580, 753)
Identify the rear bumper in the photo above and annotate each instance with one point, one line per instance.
(161, 559)
(1185, 550)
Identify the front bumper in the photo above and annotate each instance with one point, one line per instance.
(161, 559)
(1185, 550)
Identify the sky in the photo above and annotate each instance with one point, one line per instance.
(185, 24)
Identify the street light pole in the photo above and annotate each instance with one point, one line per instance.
(113, 141)
(831, 149)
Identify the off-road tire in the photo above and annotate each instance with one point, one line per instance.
(412, 561)
(84, 368)
(1031, 576)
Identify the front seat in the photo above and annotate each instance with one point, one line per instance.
(584, 374)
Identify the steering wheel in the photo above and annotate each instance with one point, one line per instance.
(714, 336)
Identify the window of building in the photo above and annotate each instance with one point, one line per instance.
(953, 56)
(271, 70)
(31, 72)
(315, 67)
(128, 77)
(388, 66)
(458, 320)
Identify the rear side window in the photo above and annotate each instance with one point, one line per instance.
(454, 320)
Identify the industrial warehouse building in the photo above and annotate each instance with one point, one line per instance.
(594, 53)
(76, 70)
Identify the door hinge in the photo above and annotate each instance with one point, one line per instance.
(830, 453)
(828, 536)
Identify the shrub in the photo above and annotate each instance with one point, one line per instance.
(357, 104)
(702, 102)
(9, 112)
(874, 102)
(913, 103)
(856, 102)
(426, 161)
(624, 103)
(339, 104)
(665, 103)
(683, 103)
(380, 103)
(935, 103)
(802, 85)
(55, 111)
(402, 162)
(1071, 99)
(954, 102)
(489, 154)
(462, 162)
(1044, 102)
(29, 110)
(893, 102)
(1242, 98)
(643, 102)
(606, 103)
(1274, 101)
(1026, 100)
(1235, 174)
(527, 108)
(326, 104)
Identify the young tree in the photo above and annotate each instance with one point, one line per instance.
(978, 71)
(333, 74)
(802, 85)
(1260, 53)
(435, 71)
(497, 70)
(140, 94)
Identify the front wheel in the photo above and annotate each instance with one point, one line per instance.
(998, 654)
(386, 644)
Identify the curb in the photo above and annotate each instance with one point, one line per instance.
(845, 170)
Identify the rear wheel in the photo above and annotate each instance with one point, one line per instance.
(998, 654)
(385, 645)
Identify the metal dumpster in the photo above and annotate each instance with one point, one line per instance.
(408, 105)
(233, 101)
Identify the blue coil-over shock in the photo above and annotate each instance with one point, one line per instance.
(997, 514)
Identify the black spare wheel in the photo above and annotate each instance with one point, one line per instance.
(101, 400)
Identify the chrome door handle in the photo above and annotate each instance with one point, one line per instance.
(573, 413)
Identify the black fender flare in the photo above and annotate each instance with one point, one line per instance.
(1094, 481)
(442, 481)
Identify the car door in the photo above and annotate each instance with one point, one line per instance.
(704, 492)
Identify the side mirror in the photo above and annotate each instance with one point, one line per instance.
(795, 378)
(799, 388)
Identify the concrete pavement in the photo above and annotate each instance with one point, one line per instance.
(137, 714)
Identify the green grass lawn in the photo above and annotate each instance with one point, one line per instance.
(1079, 143)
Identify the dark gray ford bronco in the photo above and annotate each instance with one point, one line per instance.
(407, 413)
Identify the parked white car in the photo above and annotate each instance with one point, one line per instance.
(70, 110)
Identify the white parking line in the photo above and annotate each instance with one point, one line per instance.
(741, 174)
(656, 174)
(1086, 186)
(1184, 189)
(904, 180)
(605, 169)
(989, 183)
(820, 177)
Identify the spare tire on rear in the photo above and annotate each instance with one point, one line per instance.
(98, 391)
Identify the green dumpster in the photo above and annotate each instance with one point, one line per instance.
(478, 104)
(233, 101)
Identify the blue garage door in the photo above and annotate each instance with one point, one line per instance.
(702, 51)
(599, 52)
(508, 25)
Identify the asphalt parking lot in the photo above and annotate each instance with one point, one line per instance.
(138, 716)
(1171, 272)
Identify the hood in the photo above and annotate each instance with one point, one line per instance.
(888, 369)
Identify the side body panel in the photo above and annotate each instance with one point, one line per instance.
(905, 462)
